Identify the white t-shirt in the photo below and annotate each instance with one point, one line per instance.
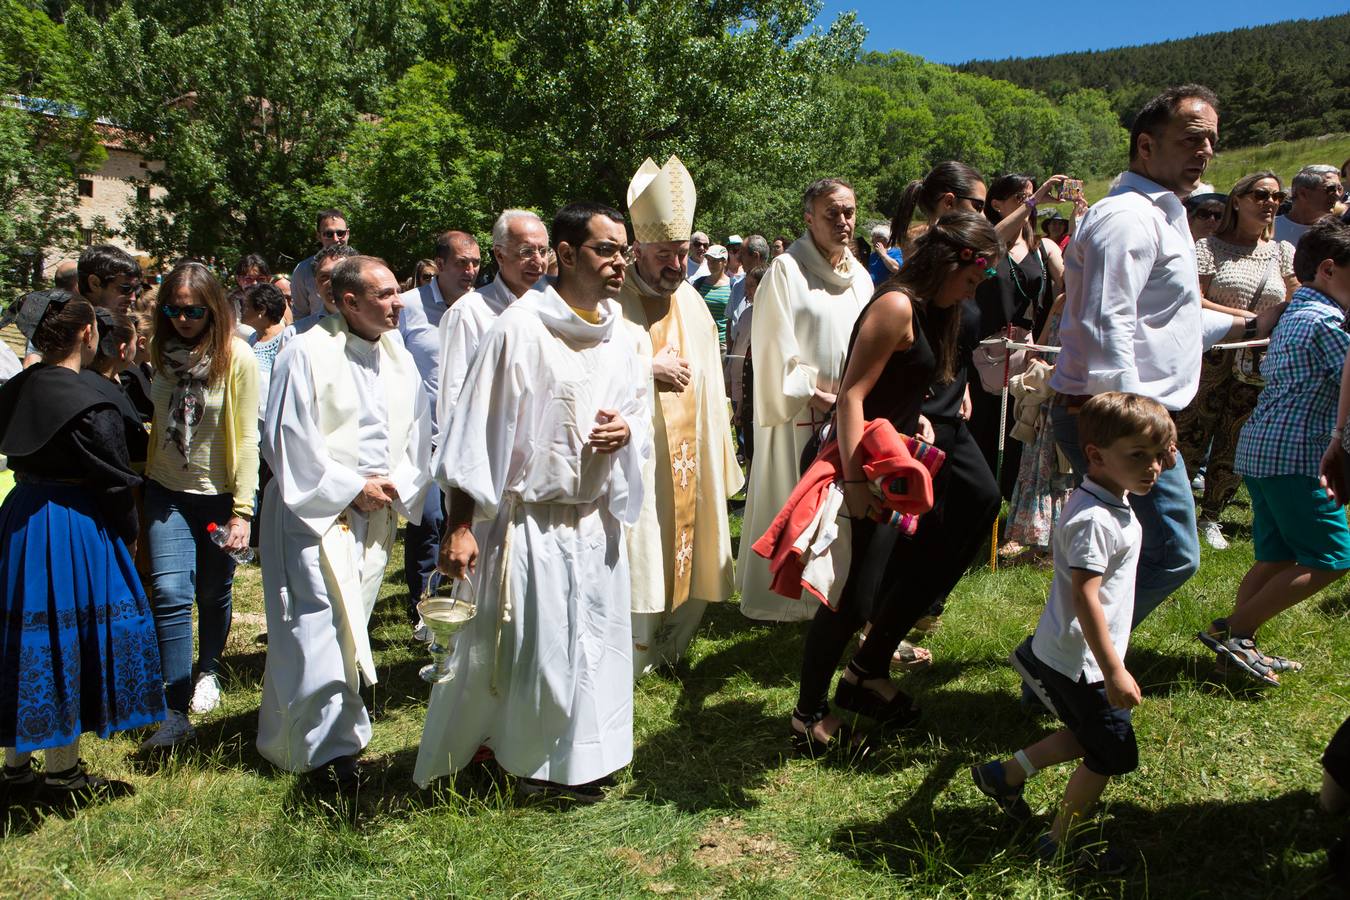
(1097, 532)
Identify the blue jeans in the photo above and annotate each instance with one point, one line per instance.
(1170, 553)
(185, 565)
(421, 544)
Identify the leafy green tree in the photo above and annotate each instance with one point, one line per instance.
(247, 107)
(577, 92)
(43, 144)
(416, 170)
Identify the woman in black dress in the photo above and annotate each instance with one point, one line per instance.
(904, 343)
(78, 650)
(1030, 275)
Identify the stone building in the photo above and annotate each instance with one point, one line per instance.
(107, 194)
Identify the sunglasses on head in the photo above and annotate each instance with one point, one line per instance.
(193, 313)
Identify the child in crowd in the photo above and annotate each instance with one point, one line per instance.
(1080, 642)
(1299, 532)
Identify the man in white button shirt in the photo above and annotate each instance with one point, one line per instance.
(457, 261)
(1133, 321)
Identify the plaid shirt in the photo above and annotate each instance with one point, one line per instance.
(1296, 413)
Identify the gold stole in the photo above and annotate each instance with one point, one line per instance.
(676, 452)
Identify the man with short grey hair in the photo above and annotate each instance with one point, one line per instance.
(754, 253)
(697, 264)
(1315, 190)
(520, 247)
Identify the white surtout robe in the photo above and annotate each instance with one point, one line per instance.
(804, 315)
(340, 408)
(661, 633)
(543, 674)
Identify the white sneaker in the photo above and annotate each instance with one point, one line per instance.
(1213, 534)
(1198, 484)
(175, 730)
(206, 695)
(421, 632)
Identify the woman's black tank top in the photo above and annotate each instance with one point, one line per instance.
(899, 392)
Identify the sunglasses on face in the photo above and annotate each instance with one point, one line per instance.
(1211, 215)
(976, 202)
(1261, 195)
(192, 313)
(703, 244)
(335, 232)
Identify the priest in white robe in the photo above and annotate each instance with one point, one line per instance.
(349, 440)
(804, 314)
(520, 247)
(546, 446)
(679, 551)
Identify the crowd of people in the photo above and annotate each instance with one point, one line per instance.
(566, 433)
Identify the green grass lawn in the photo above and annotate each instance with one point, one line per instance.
(1223, 803)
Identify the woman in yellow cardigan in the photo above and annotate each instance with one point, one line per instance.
(202, 469)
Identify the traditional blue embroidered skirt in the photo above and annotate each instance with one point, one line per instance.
(78, 650)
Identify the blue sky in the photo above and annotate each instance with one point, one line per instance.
(958, 30)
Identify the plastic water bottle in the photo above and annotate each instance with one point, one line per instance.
(219, 536)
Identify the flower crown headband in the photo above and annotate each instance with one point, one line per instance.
(968, 255)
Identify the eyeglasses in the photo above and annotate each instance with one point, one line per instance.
(531, 252)
(1212, 215)
(608, 249)
(973, 201)
(1261, 195)
(334, 232)
(192, 313)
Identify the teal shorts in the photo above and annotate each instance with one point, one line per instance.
(1294, 519)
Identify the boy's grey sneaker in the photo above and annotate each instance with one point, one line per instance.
(991, 779)
(1024, 663)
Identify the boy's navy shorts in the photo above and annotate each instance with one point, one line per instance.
(1104, 730)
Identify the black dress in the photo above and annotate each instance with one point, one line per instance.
(898, 396)
(81, 652)
(1019, 295)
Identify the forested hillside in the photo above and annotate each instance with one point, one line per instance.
(1276, 82)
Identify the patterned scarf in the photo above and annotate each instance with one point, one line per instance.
(189, 367)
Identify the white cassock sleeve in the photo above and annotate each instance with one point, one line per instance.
(783, 383)
(478, 449)
(626, 488)
(412, 474)
(314, 487)
(459, 341)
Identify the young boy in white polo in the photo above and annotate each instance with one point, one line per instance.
(1080, 642)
